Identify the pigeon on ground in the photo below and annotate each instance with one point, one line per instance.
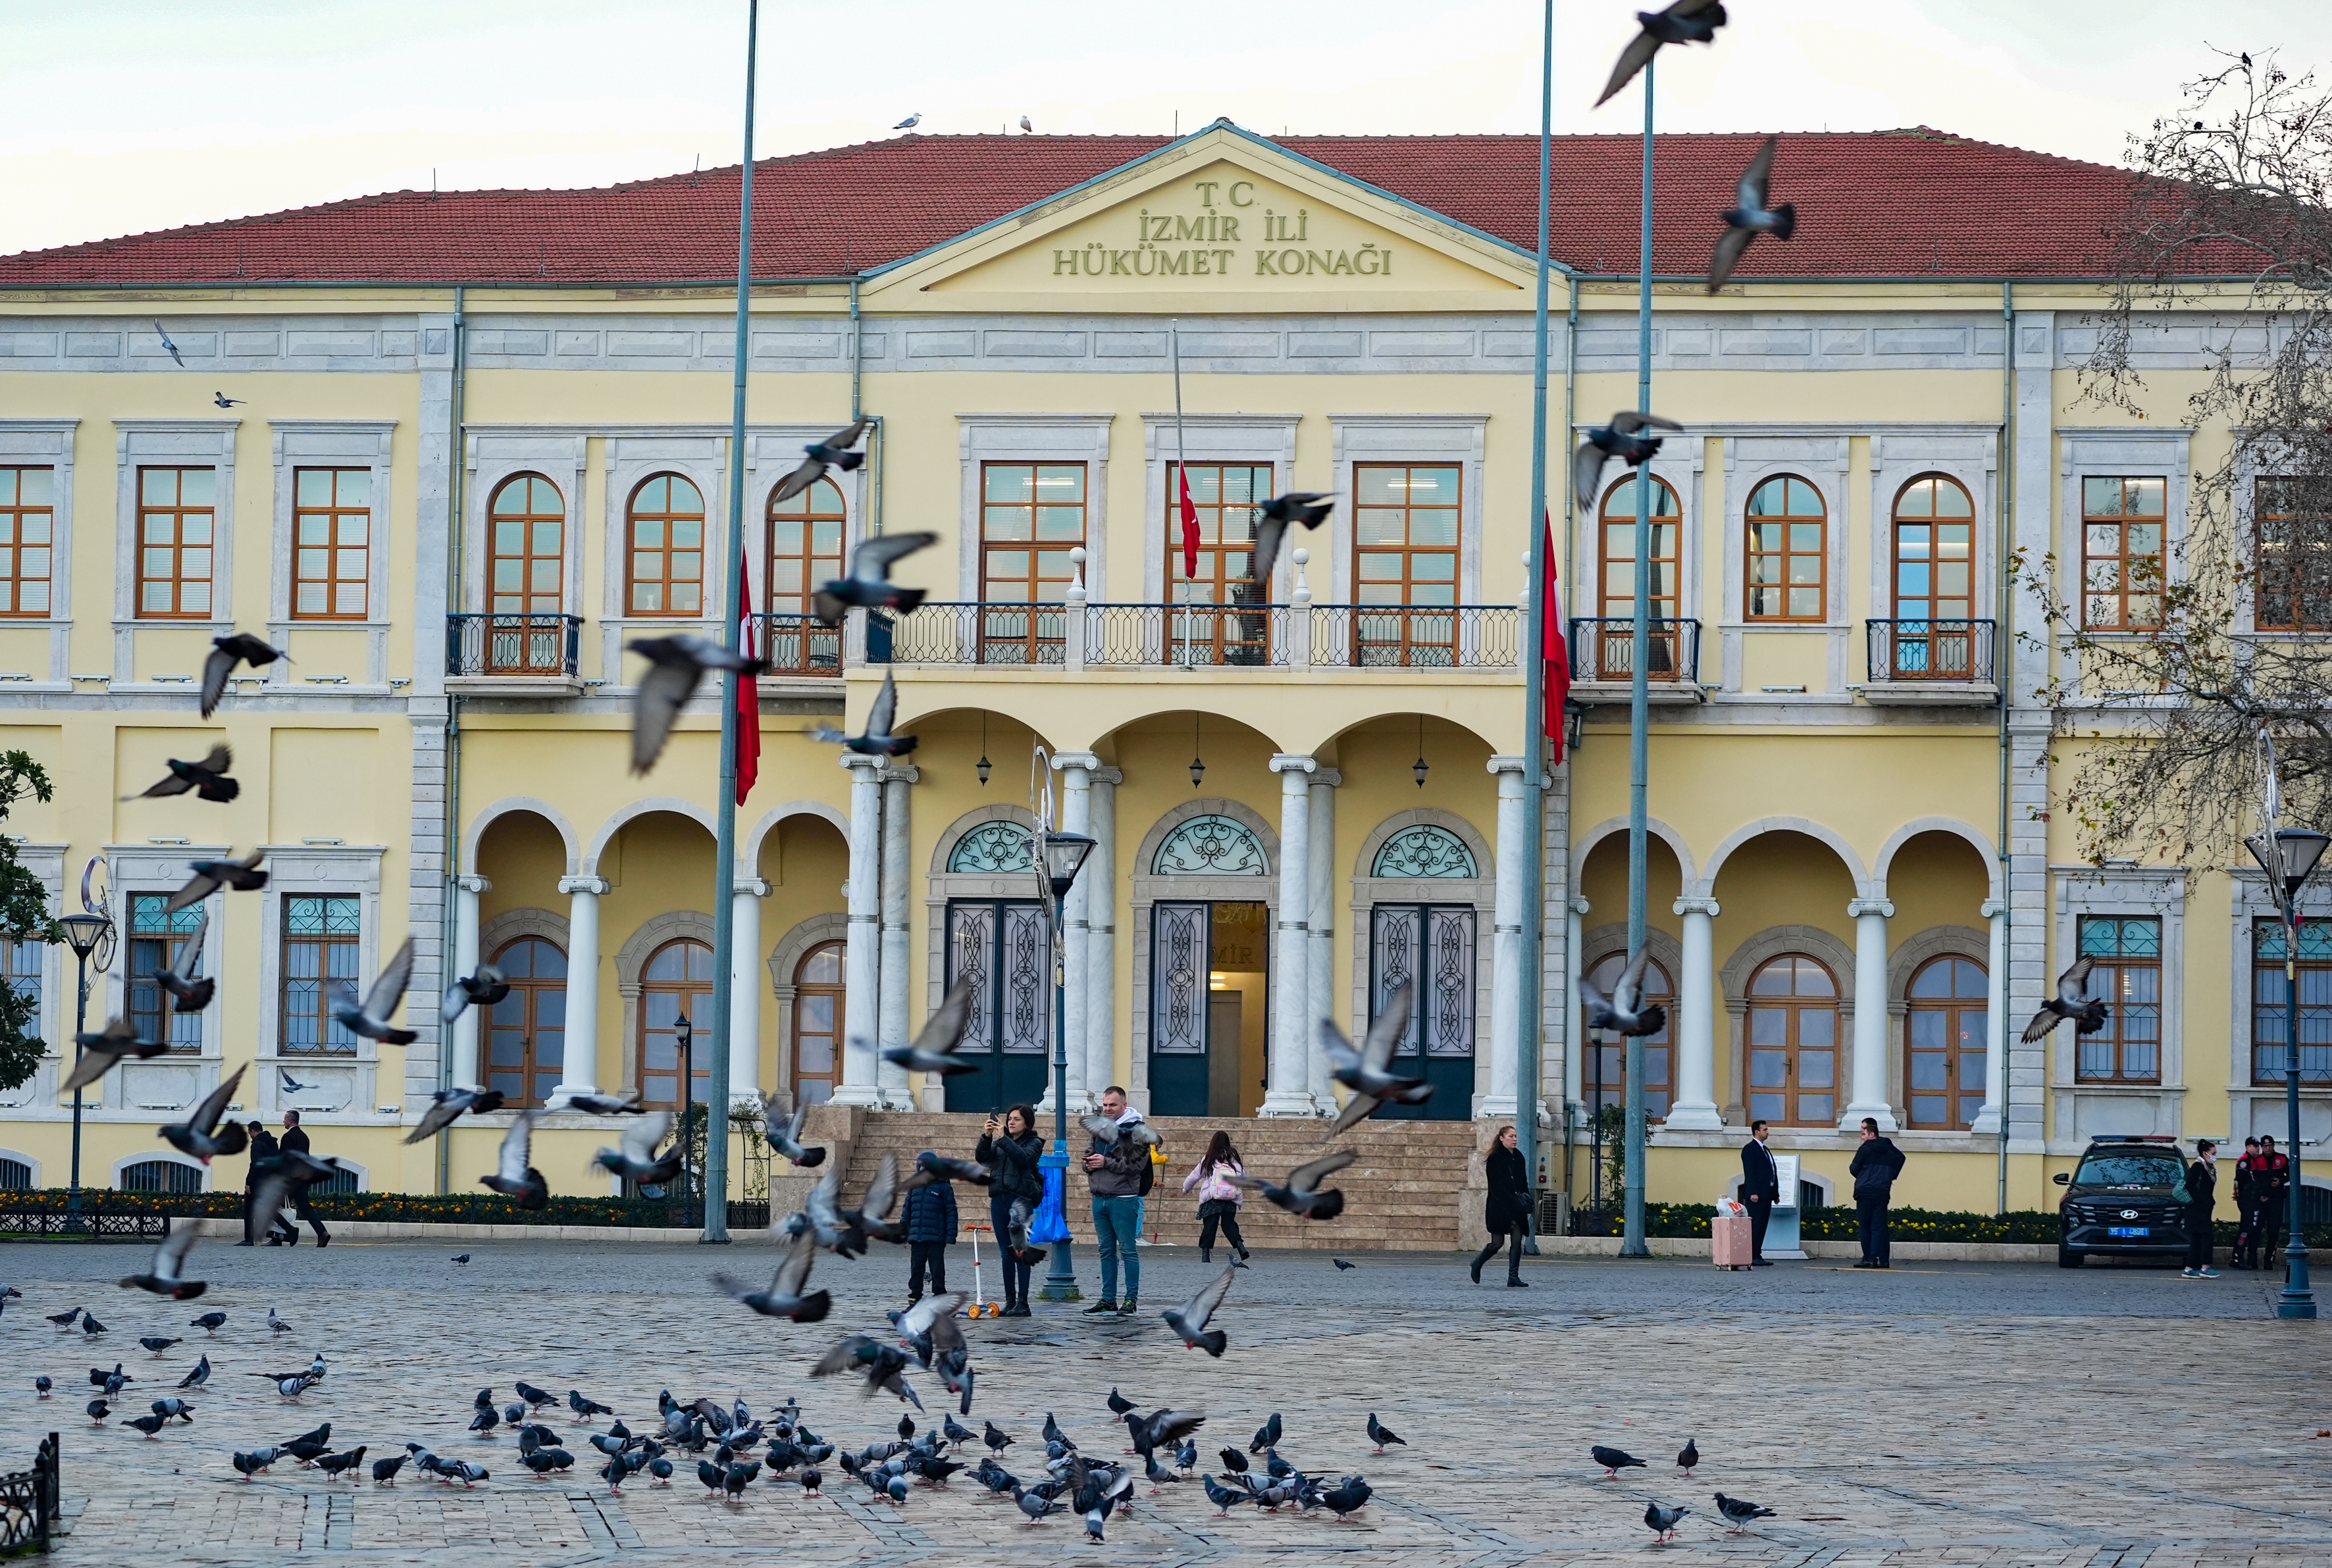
(1614, 1460)
(250, 1464)
(868, 587)
(1343, 1499)
(463, 1259)
(675, 665)
(996, 1438)
(1341, 1266)
(1750, 218)
(483, 989)
(1662, 1521)
(447, 1104)
(585, 1408)
(224, 401)
(209, 876)
(177, 358)
(200, 1137)
(276, 1325)
(1624, 1012)
(636, 1160)
(169, 1407)
(209, 1322)
(2089, 1013)
(1234, 1461)
(536, 1398)
(1190, 1319)
(485, 1420)
(832, 453)
(515, 1176)
(384, 1471)
(166, 1276)
(1366, 1071)
(883, 1367)
(1303, 1196)
(1267, 1435)
(200, 1375)
(110, 1381)
(371, 1019)
(1689, 1457)
(41, 1386)
(1381, 1434)
(100, 1053)
(1035, 1504)
(1622, 439)
(781, 1125)
(933, 1048)
(63, 1319)
(1223, 1497)
(1740, 1512)
(156, 1343)
(225, 654)
(878, 740)
(92, 1327)
(785, 1297)
(208, 778)
(339, 1465)
(1685, 22)
(98, 1410)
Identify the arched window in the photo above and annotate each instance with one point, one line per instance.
(1944, 1037)
(1606, 1078)
(1617, 590)
(665, 569)
(675, 1007)
(526, 547)
(1935, 551)
(805, 547)
(1210, 846)
(1792, 1029)
(1787, 572)
(994, 850)
(161, 1176)
(818, 1022)
(1424, 850)
(526, 1034)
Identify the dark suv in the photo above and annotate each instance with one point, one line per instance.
(2119, 1201)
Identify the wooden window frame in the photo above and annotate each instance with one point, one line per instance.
(2284, 498)
(1595, 1089)
(16, 515)
(1407, 553)
(1788, 521)
(1934, 523)
(332, 549)
(1951, 1009)
(332, 1037)
(699, 1032)
(665, 550)
(529, 555)
(178, 578)
(528, 991)
(1034, 580)
(146, 1005)
(832, 1076)
(2268, 1040)
(802, 510)
(1793, 1007)
(2122, 556)
(1220, 586)
(2107, 979)
(1608, 604)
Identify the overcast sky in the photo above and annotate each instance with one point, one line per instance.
(123, 116)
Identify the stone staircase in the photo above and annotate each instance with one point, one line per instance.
(1416, 1187)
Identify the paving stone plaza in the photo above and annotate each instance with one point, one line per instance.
(1956, 1414)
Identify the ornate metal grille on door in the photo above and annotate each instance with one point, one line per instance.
(1004, 947)
(1433, 944)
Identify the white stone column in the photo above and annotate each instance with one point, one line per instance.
(745, 989)
(892, 1025)
(861, 965)
(1575, 1030)
(1320, 928)
(579, 1066)
(1692, 1033)
(1099, 880)
(1076, 958)
(1286, 1094)
(1870, 1082)
(1995, 1019)
(1505, 945)
(465, 964)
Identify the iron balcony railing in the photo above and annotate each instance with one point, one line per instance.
(508, 644)
(1413, 637)
(1603, 648)
(1192, 636)
(797, 645)
(1950, 651)
(1201, 636)
(1015, 633)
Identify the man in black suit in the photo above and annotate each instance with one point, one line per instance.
(1761, 1189)
(263, 1148)
(295, 1141)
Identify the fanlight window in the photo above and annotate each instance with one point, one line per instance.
(1424, 851)
(1211, 846)
(994, 849)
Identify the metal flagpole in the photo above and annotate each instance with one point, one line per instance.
(1183, 478)
(724, 854)
(1638, 740)
(1533, 1002)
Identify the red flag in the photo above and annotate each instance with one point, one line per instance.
(1190, 526)
(749, 695)
(1556, 652)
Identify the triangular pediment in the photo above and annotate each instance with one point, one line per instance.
(1221, 221)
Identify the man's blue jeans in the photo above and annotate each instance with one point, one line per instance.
(1117, 1228)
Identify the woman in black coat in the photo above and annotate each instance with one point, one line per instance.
(1012, 1151)
(1506, 1209)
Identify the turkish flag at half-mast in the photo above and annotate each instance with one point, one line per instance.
(749, 695)
(1555, 648)
(1190, 526)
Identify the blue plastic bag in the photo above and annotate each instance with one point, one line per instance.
(1049, 1223)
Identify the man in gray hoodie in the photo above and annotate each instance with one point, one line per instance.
(1114, 1169)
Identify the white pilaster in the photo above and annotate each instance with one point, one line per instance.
(861, 966)
(1575, 1030)
(1506, 944)
(745, 990)
(892, 1025)
(1693, 1030)
(1076, 958)
(1320, 927)
(579, 1067)
(1995, 1019)
(1284, 1092)
(1870, 1086)
(465, 964)
(1099, 880)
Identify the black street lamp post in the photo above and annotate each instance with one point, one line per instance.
(685, 1033)
(1060, 857)
(84, 933)
(2289, 856)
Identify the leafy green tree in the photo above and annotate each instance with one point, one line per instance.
(24, 915)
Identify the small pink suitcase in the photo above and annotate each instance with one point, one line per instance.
(1728, 1235)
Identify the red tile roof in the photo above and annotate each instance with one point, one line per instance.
(1907, 201)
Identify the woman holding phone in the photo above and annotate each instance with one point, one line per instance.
(1011, 1146)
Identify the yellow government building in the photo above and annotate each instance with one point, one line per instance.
(454, 451)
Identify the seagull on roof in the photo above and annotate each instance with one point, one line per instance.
(1027, 129)
(910, 122)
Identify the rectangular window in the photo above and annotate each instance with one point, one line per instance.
(1225, 497)
(28, 521)
(2270, 1046)
(20, 970)
(175, 522)
(1405, 534)
(2122, 526)
(2294, 521)
(319, 972)
(331, 550)
(1031, 515)
(2126, 952)
(157, 941)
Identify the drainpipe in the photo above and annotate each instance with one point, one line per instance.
(2003, 649)
(453, 846)
(1571, 1029)
(858, 351)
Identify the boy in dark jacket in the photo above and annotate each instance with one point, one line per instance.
(930, 1230)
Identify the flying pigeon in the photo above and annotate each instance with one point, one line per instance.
(785, 1297)
(628, 1103)
(781, 1125)
(224, 401)
(209, 876)
(100, 1052)
(483, 989)
(910, 122)
(189, 994)
(447, 1104)
(226, 652)
(1381, 1434)
(209, 1322)
(1750, 218)
(156, 1343)
(515, 1177)
(636, 1161)
(2089, 1013)
(847, 1230)
(1622, 439)
(1614, 1460)
(1689, 1457)
(930, 1325)
(1309, 508)
(1662, 1521)
(1624, 1012)
(371, 1018)
(878, 740)
(883, 1367)
(1685, 22)
(173, 347)
(1740, 1512)
(832, 453)
(675, 665)
(868, 587)
(200, 1135)
(208, 778)
(1365, 1071)
(1301, 1197)
(933, 1048)
(1190, 1319)
(200, 1375)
